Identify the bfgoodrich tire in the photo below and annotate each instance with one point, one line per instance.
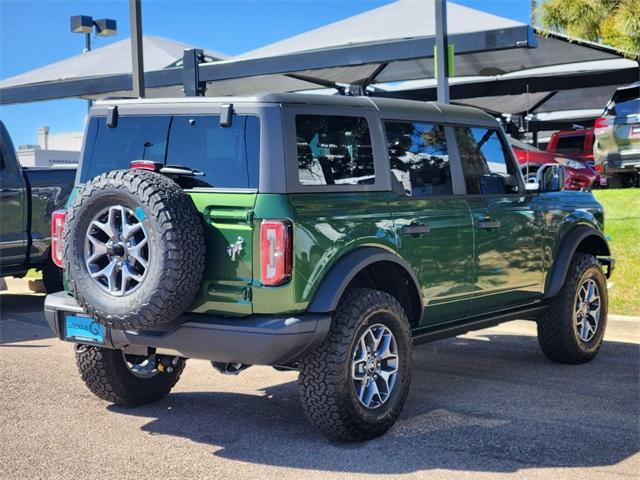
(134, 249)
(337, 380)
(572, 329)
(106, 374)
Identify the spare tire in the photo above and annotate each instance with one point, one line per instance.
(133, 249)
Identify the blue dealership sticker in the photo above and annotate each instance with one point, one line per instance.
(84, 328)
(140, 213)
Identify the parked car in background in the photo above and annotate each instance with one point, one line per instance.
(28, 197)
(576, 144)
(617, 133)
(578, 175)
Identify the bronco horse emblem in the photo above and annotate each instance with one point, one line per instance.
(235, 248)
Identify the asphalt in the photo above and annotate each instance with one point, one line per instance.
(485, 405)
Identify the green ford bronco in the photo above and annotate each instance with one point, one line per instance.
(317, 233)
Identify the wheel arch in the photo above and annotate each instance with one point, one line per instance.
(370, 267)
(583, 239)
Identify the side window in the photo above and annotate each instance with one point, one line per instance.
(419, 158)
(570, 144)
(486, 164)
(334, 150)
(228, 156)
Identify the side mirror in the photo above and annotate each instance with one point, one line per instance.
(550, 178)
(532, 186)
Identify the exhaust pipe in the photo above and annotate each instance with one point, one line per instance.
(229, 368)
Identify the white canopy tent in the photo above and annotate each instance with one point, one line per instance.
(112, 59)
(388, 44)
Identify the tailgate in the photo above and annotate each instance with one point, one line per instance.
(228, 276)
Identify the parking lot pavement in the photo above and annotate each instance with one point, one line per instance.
(485, 405)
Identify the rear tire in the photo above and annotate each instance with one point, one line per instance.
(331, 395)
(562, 333)
(106, 374)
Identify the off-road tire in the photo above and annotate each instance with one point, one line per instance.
(557, 334)
(105, 373)
(325, 384)
(174, 229)
(52, 277)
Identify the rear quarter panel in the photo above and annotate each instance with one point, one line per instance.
(326, 226)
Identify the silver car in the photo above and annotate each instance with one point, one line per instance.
(616, 150)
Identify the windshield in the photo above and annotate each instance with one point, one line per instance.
(228, 156)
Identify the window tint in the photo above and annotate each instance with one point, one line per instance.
(625, 102)
(134, 138)
(334, 150)
(228, 156)
(486, 163)
(570, 144)
(419, 158)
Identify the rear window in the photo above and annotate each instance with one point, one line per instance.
(625, 102)
(570, 144)
(334, 150)
(228, 156)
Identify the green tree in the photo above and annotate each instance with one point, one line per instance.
(612, 22)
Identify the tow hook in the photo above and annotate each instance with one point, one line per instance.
(229, 368)
(166, 364)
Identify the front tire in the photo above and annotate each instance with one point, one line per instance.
(572, 329)
(113, 377)
(349, 391)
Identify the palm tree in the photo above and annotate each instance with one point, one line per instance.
(612, 22)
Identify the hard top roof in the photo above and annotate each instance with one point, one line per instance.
(384, 105)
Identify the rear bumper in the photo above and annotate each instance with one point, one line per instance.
(255, 340)
(623, 162)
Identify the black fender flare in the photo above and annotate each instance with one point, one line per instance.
(566, 251)
(346, 268)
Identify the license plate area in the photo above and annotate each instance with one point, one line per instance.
(80, 328)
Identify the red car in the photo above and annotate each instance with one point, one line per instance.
(578, 174)
(576, 143)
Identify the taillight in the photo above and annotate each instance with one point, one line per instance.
(600, 124)
(275, 252)
(144, 165)
(57, 231)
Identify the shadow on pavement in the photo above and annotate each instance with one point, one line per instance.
(22, 318)
(490, 404)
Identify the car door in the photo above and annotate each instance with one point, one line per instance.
(508, 227)
(433, 226)
(14, 235)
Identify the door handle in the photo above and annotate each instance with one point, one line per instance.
(415, 229)
(488, 223)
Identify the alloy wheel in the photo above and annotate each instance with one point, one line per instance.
(374, 367)
(117, 250)
(587, 310)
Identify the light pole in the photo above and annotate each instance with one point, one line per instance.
(104, 27)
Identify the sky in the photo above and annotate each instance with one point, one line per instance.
(36, 33)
